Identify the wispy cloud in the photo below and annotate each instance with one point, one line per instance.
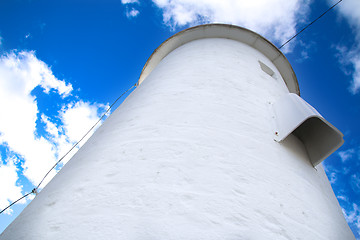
(342, 197)
(333, 177)
(350, 11)
(350, 57)
(306, 49)
(355, 183)
(345, 180)
(275, 20)
(347, 154)
(355, 85)
(77, 118)
(131, 11)
(352, 216)
(129, 1)
(330, 172)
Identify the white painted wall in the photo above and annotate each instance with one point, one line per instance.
(190, 155)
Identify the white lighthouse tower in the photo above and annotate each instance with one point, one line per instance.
(214, 143)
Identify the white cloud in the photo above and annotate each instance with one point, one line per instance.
(330, 172)
(79, 117)
(20, 73)
(333, 177)
(50, 127)
(343, 198)
(9, 189)
(306, 48)
(347, 154)
(355, 85)
(355, 183)
(129, 1)
(352, 216)
(27, 72)
(132, 13)
(275, 19)
(349, 59)
(349, 10)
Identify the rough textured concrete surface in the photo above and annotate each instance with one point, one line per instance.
(190, 154)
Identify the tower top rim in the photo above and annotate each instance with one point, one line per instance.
(227, 31)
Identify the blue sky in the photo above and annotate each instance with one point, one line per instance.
(63, 62)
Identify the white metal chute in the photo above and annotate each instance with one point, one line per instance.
(295, 116)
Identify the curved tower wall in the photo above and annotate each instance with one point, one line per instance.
(190, 154)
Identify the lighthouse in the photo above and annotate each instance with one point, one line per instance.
(214, 143)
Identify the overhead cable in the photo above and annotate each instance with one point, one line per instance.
(310, 24)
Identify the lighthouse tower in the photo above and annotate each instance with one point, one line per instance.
(214, 143)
